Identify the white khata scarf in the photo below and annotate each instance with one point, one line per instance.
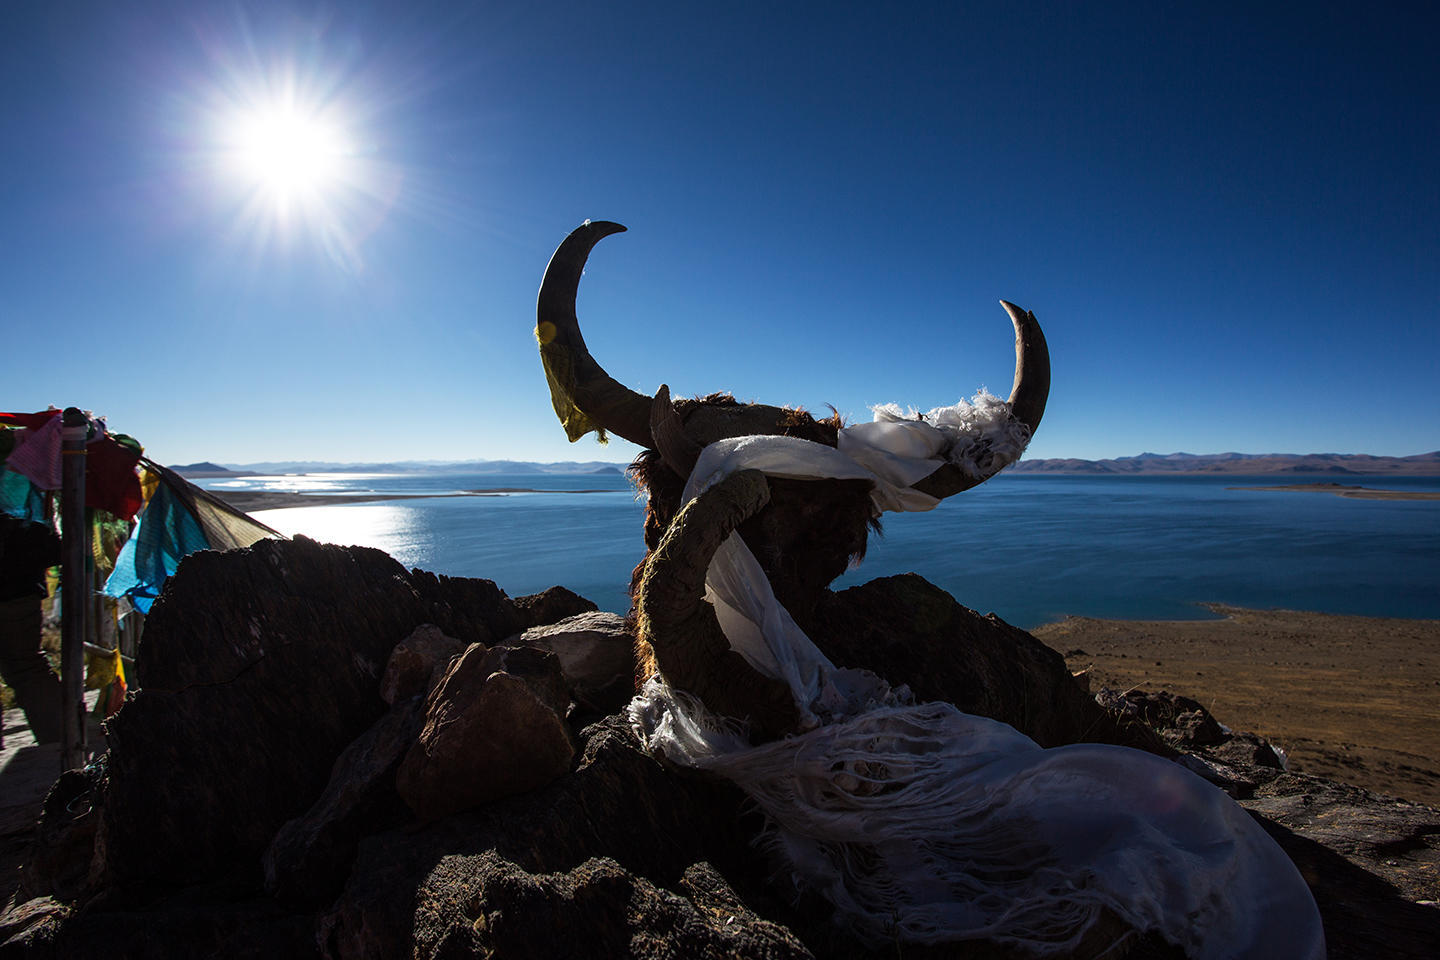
(926, 824)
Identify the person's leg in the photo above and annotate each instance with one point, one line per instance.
(25, 669)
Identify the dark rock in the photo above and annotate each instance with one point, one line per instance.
(417, 663)
(1372, 862)
(597, 655)
(552, 606)
(218, 921)
(911, 632)
(1247, 749)
(494, 727)
(617, 803)
(310, 856)
(476, 611)
(30, 927)
(601, 910)
(574, 854)
(62, 856)
(1183, 723)
(1224, 776)
(258, 667)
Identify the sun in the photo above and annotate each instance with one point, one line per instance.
(288, 153)
(298, 170)
(292, 158)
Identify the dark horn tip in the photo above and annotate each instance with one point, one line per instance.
(601, 228)
(668, 434)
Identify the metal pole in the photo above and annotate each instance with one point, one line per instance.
(74, 589)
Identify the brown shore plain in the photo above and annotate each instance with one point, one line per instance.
(1354, 699)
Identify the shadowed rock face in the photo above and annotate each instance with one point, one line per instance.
(258, 667)
(910, 631)
(494, 727)
(416, 663)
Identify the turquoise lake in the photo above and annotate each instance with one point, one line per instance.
(1029, 548)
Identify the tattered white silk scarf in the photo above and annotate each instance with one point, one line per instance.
(926, 824)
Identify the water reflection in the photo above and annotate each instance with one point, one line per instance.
(586, 542)
(299, 483)
(381, 525)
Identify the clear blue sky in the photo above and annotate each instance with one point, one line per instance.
(1226, 217)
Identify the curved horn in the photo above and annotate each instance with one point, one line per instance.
(676, 448)
(1032, 368)
(585, 397)
(1028, 396)
(680, 625)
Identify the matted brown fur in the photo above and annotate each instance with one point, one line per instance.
(811, 532)
(663, 487)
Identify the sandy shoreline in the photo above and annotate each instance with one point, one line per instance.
(252, 500)
(1355, 699)
(1349, 491)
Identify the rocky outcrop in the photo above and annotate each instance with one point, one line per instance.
(911, 632)
(552, 606)
(1235, 762)
(1372, 862)
(258, 667)
(494, 727)
(617, 804)
(253, 800)
(61, 859)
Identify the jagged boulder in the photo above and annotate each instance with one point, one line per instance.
(1181, 721)
(1372, 862)
(416, 663)
(551, 606)
(494, 727)
(597, 654)
(1235, 762)
(31, 926)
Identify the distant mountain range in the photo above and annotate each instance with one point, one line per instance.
(1423, 464)
(207, 469)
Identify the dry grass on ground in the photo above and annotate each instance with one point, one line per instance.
(1355, 699)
